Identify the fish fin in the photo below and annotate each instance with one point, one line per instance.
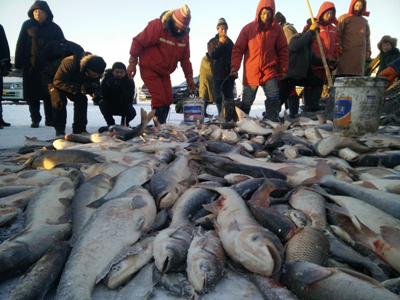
(97, 203)
(233, 226)
(117, 258)
(318, 134)
(369, 185)
(150, 115)
(65, 201)
(391, 235)
(100, 159)
(337, 209)
(213, 207)
(365, 230)
(138, 202)
(240, 113)
(140, 223)
(360, 276)
(217, 226)
(322, 170)
(67, 216)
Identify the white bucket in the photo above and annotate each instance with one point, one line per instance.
(358, 102)
(193, 110)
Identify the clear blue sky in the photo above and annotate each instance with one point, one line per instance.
(106, 28)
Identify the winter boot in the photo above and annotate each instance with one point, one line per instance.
(60, 132)
(4, 124)
(293, 102)
(272, 110)
(162, 114)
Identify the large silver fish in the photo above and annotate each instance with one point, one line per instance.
(311, 281)
(116, 225)
(205, 260)
(245, 240)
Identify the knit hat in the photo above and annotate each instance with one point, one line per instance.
(182, 17)
(96, 64)
(222, 22)
(280, 18)
(118, 65)
(387, 39)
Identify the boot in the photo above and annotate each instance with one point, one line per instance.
(60, 132)
(272, 110)
(314, 96)
(293, 102)
(4, 124)
(162, 114)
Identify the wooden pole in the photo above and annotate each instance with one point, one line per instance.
(321, 49)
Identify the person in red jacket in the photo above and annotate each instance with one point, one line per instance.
(266, 57)
(330, 44)
(158, 49)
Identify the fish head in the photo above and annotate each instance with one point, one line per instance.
(170, 250)
(260, 251)
(167, 193)
(203, 272)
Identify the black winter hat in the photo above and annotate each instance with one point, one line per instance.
(118, 65)
(280, 18)
(96, 64)
(222, 22)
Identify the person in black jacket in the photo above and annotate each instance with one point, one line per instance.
(74, 79)
(301, 57)
(220, 51)
(34, 35)
(118, 92)
(5, 66)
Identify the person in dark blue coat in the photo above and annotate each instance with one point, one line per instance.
(34, 35)
(117, 91)
(5, 66)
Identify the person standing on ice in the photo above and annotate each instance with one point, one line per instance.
(263, 45)
(354, 37)
(158, 49)
(5, 67)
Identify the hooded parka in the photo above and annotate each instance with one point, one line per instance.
(32, 38)
(354, 37)
(265, 50)
(159, 52)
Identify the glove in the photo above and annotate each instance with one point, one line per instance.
(314, 26)
(390, 74)
(190, 83)
(234, 73)
(131, 69)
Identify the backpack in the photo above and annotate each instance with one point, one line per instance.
(53, 53)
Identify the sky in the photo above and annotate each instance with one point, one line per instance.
(106, 28)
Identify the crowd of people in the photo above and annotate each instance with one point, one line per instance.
(274, 56)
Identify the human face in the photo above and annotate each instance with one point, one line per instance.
(120, 73)
(266, 15)
(40, 15)
(386, 46)
(358, 6)
(94, 75)
(327, 16)
(222, 31)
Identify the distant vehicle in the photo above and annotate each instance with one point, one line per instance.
(181, 91)
(144, 94)
(13, 89)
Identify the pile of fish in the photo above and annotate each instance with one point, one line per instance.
(244, 210)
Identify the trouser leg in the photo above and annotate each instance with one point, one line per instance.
(218, 95)
(106, 112)
(272, 103)
(80, 113)
(59, 107)
(249, 94)
(162, 113)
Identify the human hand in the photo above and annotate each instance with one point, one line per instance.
(314, 26)
(223, 39)
(234, 73)
(282, 76)
(131, 69)
(332, 62)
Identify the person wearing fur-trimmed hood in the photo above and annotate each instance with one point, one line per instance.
(35, 34)
(388, 52)
(75, 78)
(158, 49)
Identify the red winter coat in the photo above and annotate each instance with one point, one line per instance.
(328, 36)
(159, 51)
(265, 50)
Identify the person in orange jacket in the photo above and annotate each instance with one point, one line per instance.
(158, 49)
(263, 45)
(330, 44)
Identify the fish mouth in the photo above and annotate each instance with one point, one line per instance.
(165, 266)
